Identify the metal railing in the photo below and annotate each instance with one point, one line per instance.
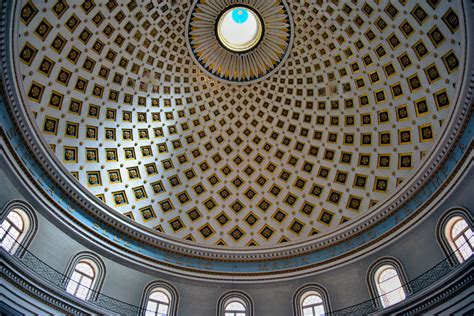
(412, 287)
(60, 280)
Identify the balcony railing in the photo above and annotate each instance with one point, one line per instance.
(412, 287)
(59, 280)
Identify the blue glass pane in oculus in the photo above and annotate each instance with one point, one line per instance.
(240, 15)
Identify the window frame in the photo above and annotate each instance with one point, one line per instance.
(235, 296)
(444, 229)
(11, 230)
(380, 288)
(307, 290)
(78, 284)
(374, 273)
(158, 302)
(30, 225)
(235, 312)
(99, 274)
(164, 287)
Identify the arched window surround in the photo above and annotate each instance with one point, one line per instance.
(99, 272)
(169, 289)
(306, 290)
(444, 226)
(30, 222)
(372, 277)
(239, 296)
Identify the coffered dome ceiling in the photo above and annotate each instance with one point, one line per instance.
(336, 129)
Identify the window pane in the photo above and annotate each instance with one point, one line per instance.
(75, 277)
(11, 230)
(152, 306)
(461, 236)
(319, 310)
(458, 227)
(387, 275)
(312, 300)
(160, 297)
(14, 234)
(162, 310)
(466, 251)
(72, 286)
(16, 219)
(308, 311)
(80, 282)
(85, 268)
(82, 292)
(86, 282)
(390, 287)
(4, 229)
(235, 306)
(8, 242)
(468, 235)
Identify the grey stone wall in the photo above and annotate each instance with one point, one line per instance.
(417, 249)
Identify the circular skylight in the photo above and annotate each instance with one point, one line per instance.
(239, 29)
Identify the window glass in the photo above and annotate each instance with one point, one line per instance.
(81, 280)
(313, 305)
(235, 308)
(158, 304)
(462, 239)
(11, 230)
(389, 286)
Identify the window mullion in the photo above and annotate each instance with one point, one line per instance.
(13, 224)
(8, 234)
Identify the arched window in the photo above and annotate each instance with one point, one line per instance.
(19, 224)
(389, 286)
(311, 300)
(235, 303)
(387, 282)
(235, 307)
(12, 228)
(159, 299)
(158, 303)
(312, 305)
(85, 276)
(82, 279)
(460, 237)
(454, 233)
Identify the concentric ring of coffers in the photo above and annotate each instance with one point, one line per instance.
(316, 146)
